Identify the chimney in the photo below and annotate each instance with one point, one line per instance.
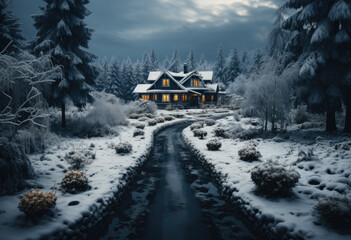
(185, 68)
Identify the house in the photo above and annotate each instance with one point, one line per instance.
(183, 89)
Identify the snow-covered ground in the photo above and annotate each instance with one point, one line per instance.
(329, 174)
(105, 175)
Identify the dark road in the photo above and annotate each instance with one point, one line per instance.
(173, 198)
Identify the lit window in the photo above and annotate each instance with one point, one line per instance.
(194, 82)
(154, 97)
(165, 97)
(184, 97)
(145, 97)
(203, 98)
(175, 97)
(165, 83)
(212, 97)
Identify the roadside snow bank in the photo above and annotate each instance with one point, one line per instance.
(327, 173)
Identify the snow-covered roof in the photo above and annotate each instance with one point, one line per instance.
(212, 87)
(154, 75)
(141, 88)
(206, 75)
(166, 91)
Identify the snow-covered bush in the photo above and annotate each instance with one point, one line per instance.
(249, 153)
(234, 131)
(140, 125)
(204, 106)
(15, 167)
(160, 120)
(74, 181)
(138, 132)
(143, 119)
(123, 147)
(147, 107)
(35, 203)
(306, 157)
(273, 179)
(236, 116)
(136, 115)
(169, 118)
(300, 114)
(210, 122)
(80, 157)
(219, 132)
(169, 107)
(152, 122)
(213, 145)
(335, 210)
(196, 125)
(199, 133)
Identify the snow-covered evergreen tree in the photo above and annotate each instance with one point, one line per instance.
(138, 72)
(154, 61)
(232, 68)
(321, 42)
(114, 83)
(190, 61)
(165, 63)
(244, 63)
(203, 65)
(174, 64)
(219, 66)
(128, 81)
(257, 61)
(63, 35)
(104, 72)
(147, 66)
(10, 33)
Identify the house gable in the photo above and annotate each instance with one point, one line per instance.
(173, 84)
(186, 82)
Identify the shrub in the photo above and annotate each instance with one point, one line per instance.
(143, 119)
(123, 147)
(213, 145)
(219, 132)
(204, 106)
(147, 107)
(236, 116)
(80, 158)
(160, 120)
(200, 133)
(140, 125)
(152, 122)
(135, 116)
(74, 181)
(169, 107)
(210, 122)
(138, 132)
(306, 157)
(169, 118)
(335, 210)
(272, 178)
(300, 115)
(249, 153)
(35, 202)
(197, 125)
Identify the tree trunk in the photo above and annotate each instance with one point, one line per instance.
(331, 122)
(63, 115)
(348, 119)
(266, 121)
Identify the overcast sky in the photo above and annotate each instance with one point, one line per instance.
(131, 27)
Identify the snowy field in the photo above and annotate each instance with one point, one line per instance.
(328, 173)
(105, 174)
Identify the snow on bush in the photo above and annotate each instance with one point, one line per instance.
(210, 122)
(249, 153)
(273, 179)
(219, 132)
(199, 133)
(213, 145)
(152, 122)
(335, 210)
(147, 107)
(144, 119)
(306, 157)
(197, 125)
(140, 125)
(169, 107)
(169, 118)
(135, 115)
(80, 157)
(300, 114)
(138, 132)
(236, 116)
(35, 203)
(160, 120)
(74, 181)
(123, 147)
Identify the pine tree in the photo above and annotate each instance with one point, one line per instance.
(322, 44)
(219, 66)
(244, 62)
(165, 63)
(232, 69)
(104, 71)
(175, 64)
(202, 66)
(114, 83)
(154, 61)
(191, 62)
(147, 66)
(138, 72)
(63, 35)
(257, 61)
(128, 81)
(10, 34)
